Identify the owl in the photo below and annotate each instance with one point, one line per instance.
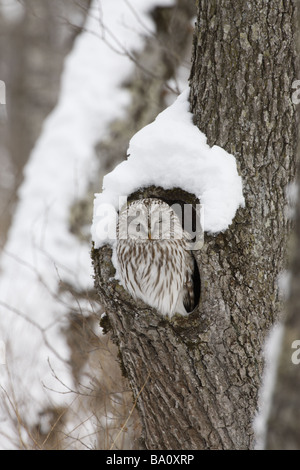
(154, 260)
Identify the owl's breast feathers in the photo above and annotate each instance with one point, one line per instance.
(159, 272)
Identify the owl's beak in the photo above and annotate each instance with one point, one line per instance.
(149, 235)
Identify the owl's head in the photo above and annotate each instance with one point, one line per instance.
(149, 220)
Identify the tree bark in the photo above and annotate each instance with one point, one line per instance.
(196, 378)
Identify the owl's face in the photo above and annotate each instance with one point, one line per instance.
(149, 220)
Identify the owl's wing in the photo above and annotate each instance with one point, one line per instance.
(188, 296)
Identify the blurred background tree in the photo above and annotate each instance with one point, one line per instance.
(35, 37)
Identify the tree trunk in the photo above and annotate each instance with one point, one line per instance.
(32, 52)
(196, 378)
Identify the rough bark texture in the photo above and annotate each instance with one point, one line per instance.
(196, 379)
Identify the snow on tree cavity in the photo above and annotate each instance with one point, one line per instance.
(172, 152)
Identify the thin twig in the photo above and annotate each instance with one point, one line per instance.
(131, 411)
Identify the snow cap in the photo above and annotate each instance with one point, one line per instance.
(172, 152)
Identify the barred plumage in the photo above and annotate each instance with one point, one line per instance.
(155, 263)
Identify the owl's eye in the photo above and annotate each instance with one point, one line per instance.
(138, 227)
